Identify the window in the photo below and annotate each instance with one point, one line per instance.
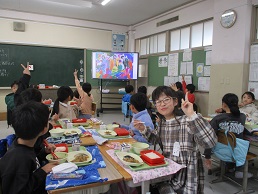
(185, 38)
(175, 40)
(153, 44)
(207, 33)
(196, 35)
(161, 43)
(143, 47)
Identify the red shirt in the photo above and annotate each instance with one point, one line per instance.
(190, 96)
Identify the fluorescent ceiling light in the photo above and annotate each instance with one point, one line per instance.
(105, 2)
(79, 3)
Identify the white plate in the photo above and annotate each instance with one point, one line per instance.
(121, 155)
(105, 133)
(72, 131)
(71, 156)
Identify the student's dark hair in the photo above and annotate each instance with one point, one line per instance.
(190, 88)
(76, 94)
(129, 88)
(142, 89)
(86, 88)
(250, 94)
(231, 100)
(15, 82)
(181, 96)
(139, 101)
(29, 119)
(168, 92)
(179, 86)
(30, 94)
(62, 94)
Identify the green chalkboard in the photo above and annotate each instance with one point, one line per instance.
(156, 73)
(52, 66)
(96, 82)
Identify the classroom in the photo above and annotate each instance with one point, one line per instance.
(221, 57)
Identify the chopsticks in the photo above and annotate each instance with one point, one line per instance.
(53, 154)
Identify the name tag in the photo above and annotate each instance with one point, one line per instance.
(176, 149)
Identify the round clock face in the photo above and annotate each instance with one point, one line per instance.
(228, 18)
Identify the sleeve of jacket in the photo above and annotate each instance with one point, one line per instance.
(204, 134)
(184, 85)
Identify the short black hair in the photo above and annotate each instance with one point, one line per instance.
(250, 94)
(190, 88)
(181, 96)
(30, 94)
(142, 89)
(29, 119)
(139, 101)
(86, 88)
(129, 88)
(14, 83)
(179, 86)
(76, 94)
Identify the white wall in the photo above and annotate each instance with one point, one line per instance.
(230, 55)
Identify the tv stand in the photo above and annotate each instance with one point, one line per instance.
(111, 100)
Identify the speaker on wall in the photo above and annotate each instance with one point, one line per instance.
(19, 26)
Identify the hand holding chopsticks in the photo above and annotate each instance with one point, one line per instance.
(53, 154)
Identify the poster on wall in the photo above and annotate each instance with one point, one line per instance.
(253, 87)
(199, 69)
(163, 61)
(118, 42)
(204, 83)
(173, 64)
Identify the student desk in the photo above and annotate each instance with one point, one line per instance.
(127, 177)
(109, 172)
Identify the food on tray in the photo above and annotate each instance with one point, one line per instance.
(130, 159)
(108, 133)
(152, 155)
(80, 158)
(60, 149)
(71, 132)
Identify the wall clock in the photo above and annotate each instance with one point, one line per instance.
(228, 18)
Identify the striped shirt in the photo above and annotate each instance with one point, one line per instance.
(189, 132)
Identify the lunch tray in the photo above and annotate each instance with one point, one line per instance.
(146, 166)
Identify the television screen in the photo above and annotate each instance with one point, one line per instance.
(115, 65)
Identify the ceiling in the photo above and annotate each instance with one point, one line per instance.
(121, 12)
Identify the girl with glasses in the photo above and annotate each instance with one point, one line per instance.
(179, 139)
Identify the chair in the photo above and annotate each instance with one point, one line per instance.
(126, 110)
(249, 157)
(93, 108)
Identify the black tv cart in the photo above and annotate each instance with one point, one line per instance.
(110, 100)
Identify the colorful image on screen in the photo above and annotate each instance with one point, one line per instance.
(114, 65)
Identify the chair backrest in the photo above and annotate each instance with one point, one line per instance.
(93, 108)
(231, 138)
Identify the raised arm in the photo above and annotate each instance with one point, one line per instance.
(77, 83)
(23, 82)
